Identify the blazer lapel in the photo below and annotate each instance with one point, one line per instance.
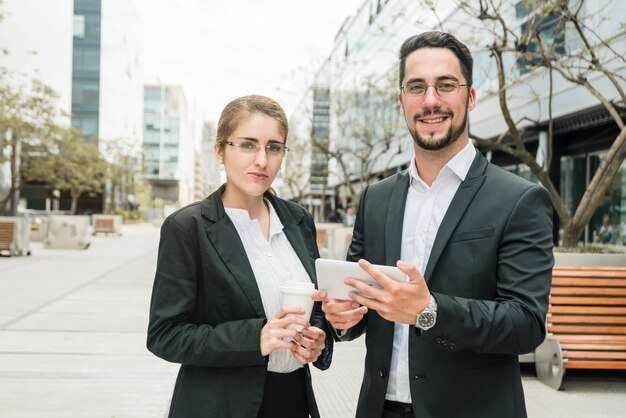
(292, 228)
(228, 245)
(460, 202)
(395, 218)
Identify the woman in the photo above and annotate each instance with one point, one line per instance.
(216, 305)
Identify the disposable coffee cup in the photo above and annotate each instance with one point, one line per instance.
(298, 296)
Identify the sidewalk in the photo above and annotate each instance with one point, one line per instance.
(72, 343)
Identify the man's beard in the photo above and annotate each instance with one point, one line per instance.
(451, 136)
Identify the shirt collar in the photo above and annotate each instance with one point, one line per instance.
(459, 164)
(276, 226)
(242, 217)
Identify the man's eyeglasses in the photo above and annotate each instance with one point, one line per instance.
(272, 149)
(443, 88)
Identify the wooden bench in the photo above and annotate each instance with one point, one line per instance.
(7, 235)
(322, 237)
(105, 226)
(586, 322)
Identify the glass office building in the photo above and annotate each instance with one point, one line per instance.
(364, 59)
(86, 68)
(168, 156)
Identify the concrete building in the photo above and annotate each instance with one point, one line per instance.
(362, 69)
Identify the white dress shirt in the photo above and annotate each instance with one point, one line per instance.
(273, 262)
(424, 210)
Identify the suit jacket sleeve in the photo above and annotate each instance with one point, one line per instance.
(174, 332)
(514, 321)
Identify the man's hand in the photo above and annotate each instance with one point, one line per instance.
(396, 301)
(342, 314)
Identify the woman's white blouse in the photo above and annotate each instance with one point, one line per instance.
(273, 262)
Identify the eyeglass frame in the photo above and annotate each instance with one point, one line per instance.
(256, 148)
(458, 88)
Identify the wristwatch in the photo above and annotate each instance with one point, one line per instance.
(426, 319)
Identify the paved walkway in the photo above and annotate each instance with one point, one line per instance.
(72, 343)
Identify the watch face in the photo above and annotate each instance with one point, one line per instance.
(426, 320)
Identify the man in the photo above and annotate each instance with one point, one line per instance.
(476, 244)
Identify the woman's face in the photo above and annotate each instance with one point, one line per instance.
(250, 173)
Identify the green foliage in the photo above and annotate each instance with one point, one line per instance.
(67, 163)
(129, 215)
(596, 249)
(29, 112)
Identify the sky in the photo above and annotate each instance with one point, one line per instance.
(222, 49)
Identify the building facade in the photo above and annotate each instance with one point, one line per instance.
(86, 68)
(363, 66)
(167, 148)
(90, 56)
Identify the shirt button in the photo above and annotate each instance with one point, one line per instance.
(269, 254)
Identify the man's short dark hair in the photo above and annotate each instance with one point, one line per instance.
(438, 40)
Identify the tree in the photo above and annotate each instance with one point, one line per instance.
(369, 132)
(70, 164)
(120, 173)
(298, 175)
(538, 48)
(28, 116)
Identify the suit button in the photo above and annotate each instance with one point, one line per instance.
(382, 372)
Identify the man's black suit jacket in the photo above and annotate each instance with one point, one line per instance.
(490, 271)
(207, 314)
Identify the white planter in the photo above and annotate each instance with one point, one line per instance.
(589, 260)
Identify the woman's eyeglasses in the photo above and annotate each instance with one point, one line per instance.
(272, 149)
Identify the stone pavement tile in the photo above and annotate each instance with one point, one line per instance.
(585, 394)
(337, 389)
(69, 342)
(72, 340)
(86, 397)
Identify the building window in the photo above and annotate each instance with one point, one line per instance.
(79, 26)
(552, 33)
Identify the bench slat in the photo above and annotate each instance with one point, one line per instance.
(613, 365)
(586, 319)
(587, 329)
(606, 272)
(589, 339)
(588, 281)
(602, 310)
(588, 291)
(567, 300)
(594, 355)
(595, 347)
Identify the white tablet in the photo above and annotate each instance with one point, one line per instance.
(331, 273)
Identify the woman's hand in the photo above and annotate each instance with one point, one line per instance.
(274, 332)
(311, 343)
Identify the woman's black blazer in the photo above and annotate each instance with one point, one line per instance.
(206, 311)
